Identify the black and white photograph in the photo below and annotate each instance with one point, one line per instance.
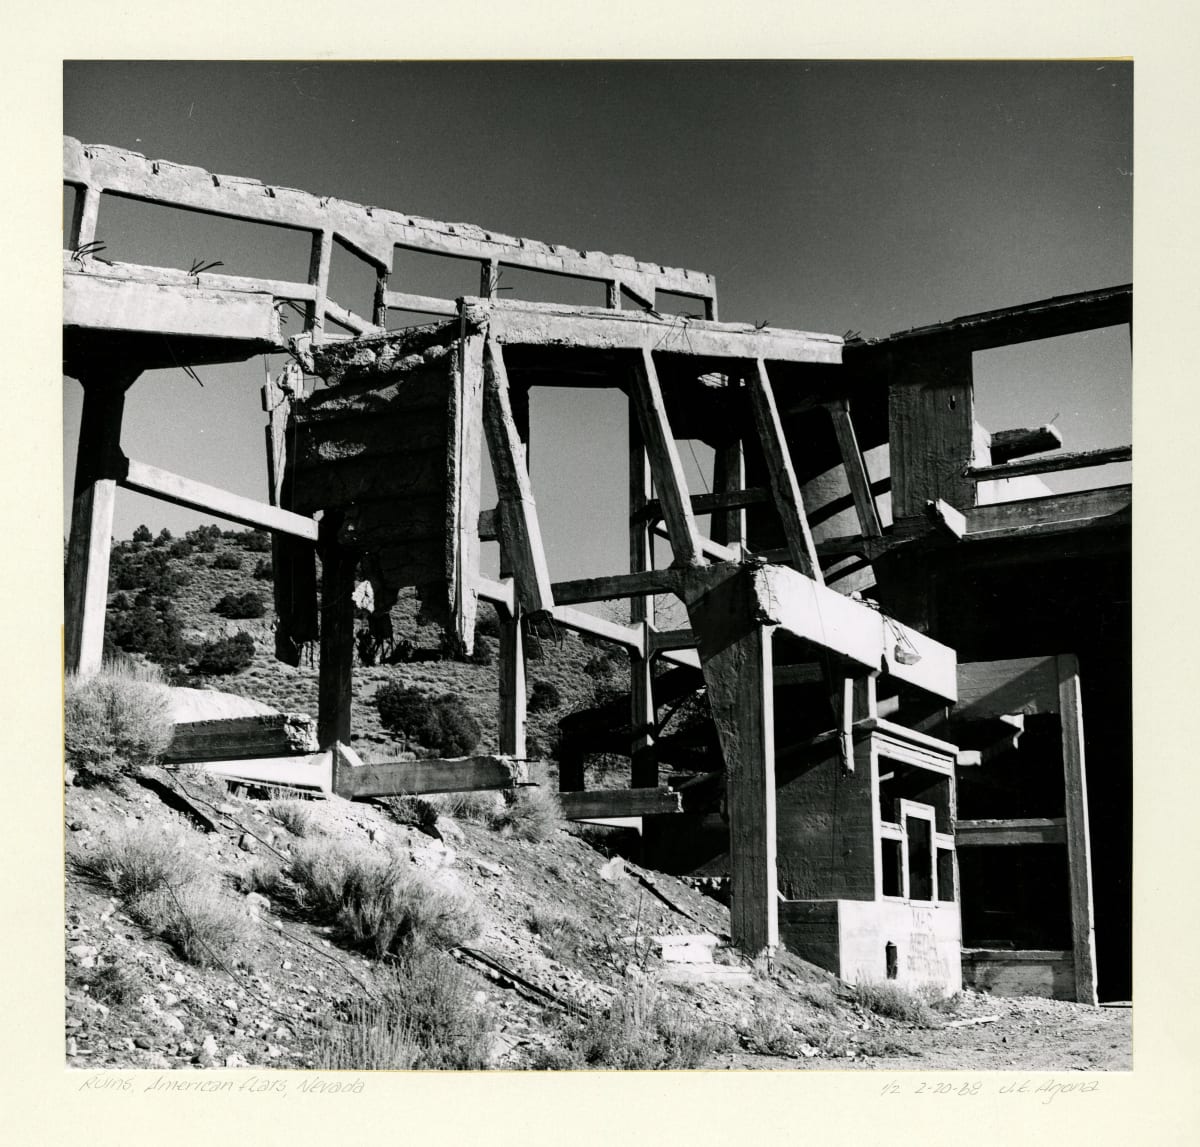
(597, 565)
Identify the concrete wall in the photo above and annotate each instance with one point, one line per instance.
(850, 938)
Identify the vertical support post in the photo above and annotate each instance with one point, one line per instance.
(931, 431)
(520, 534)
(99, 464)
(506, 421)
(379, 310)
(468, 427)
(729, 476)
(612, 295)
(857, 477)
(512, 684)
(84, 217)
(489, 278)
(736, 656)
(318, 277)
(644, 764)
(1079, 852)
(665, 463)
(335, 674)
(784, 487)
(293, 560)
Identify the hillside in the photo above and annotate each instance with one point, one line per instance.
(216, 928)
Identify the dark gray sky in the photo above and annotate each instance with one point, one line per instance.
(831, 196)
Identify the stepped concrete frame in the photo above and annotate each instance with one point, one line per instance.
(774, 592)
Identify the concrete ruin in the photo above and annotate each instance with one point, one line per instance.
(882, 631)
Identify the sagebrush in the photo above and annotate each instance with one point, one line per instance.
(116, 721)
(379, 900)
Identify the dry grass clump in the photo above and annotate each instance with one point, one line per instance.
(198, 920)
(134, 861)
(892, 1001)
(116, 721)
(170, 890)
(768, 1033)
(562, 933)
(294, 815)
(473, 808)
(531, 813)
(111, 984)
(424, 1019)
(638, 1031)
(379, 900)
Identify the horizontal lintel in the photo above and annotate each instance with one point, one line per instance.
(1074, 460)
(180, 491)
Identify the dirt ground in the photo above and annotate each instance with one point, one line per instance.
(269, 1008)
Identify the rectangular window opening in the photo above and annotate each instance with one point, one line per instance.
(402, 320)
(1081, 384)
(352, 282)
(450, 277)
(71, 196)
(893, 876)
(945, 875)
(547, 287)
(919, 832)
(153, 234)
(671, 303)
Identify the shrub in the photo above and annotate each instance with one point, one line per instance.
(142, 535)
(111, 985)
(561, 932)
(240, 605)
(599, 666)
(255, 541)
(116, 722)
(197, 919)
(533, 813)
(134, 861)
(474, 808)
(169, 889)
(164, 537)
(487, 624)
(443, 724)
(264, 569)
(227, 560)
(638, 1031)
(150, 570)
(425, 1019)
(544, 696)
(149, 626)
(204, 538)
(295, 816)
(180, 549)
(482, 653)
(768, 1034)
(378, 900)
(229, 655)
(888, 999)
